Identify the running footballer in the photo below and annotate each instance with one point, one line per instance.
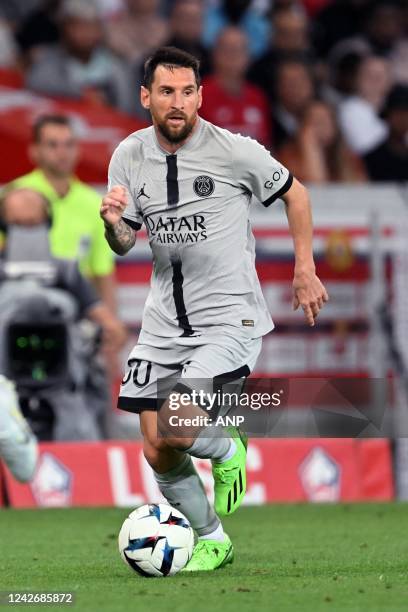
(191, 184)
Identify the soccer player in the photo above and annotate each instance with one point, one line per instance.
(191, 184)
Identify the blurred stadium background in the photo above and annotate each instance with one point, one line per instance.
(323, 84)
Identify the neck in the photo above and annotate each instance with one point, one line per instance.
(61, 184)
(172, 147)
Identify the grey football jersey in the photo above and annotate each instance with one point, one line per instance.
(195, 206)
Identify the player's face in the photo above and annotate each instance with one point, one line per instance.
(173, 101)
(56, 151)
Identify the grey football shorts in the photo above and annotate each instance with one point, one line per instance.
(219, 354)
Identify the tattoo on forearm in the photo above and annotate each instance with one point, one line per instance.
(120, 237)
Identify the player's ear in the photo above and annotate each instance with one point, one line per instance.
(145, 97)
(200, 96)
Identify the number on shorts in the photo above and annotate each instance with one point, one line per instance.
(138, 375)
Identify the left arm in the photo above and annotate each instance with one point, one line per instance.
(262, 175)
(308, 290)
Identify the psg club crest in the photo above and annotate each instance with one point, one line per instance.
(204, 186)
(52, 483)
(320, 477)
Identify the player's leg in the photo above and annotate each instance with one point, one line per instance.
(182, 487)
(18, 445)
(228, 358)
(214, 548)
(221, 359)
(173, 469)
(178, 479)
(226, 448)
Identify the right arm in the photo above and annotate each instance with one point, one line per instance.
(120, 236)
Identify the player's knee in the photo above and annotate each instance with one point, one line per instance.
(153, 450)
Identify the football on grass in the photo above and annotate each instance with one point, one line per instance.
(156, 540)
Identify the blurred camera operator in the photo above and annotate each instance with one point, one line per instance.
(28, 209)
(77, 231)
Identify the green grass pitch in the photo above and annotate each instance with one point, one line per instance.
(288, 557)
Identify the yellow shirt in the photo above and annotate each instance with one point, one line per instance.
(77, 231)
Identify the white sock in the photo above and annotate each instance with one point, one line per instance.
(230, 452)
(217, 534)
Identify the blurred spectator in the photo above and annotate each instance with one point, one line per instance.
(137, 30)
(389, 161)
(338, 20)
(359, 121)
(8, 50)
(291, 31)
(81, 66)
(38, 29)
(383, 26)
(290, 40)
(239, 13)
(186, 25)
(77, 231)
(318, 154)
(383, 35)
(294, 90)
(343, 64)
(229, 100)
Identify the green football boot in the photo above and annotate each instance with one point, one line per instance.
(210, 555)
(230, 476)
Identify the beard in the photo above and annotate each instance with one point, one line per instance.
(176, 135)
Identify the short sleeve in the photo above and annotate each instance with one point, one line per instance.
(118, 174)
(258, 172)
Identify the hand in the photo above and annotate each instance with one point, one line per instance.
(113, 205)
(309, 293)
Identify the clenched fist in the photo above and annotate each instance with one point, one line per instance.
(113, 205)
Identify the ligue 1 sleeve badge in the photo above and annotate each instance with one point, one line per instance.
(204, 186)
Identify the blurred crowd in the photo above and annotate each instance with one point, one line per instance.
(322, 83)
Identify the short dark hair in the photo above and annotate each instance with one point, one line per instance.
(171, 58)
(44, 120)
